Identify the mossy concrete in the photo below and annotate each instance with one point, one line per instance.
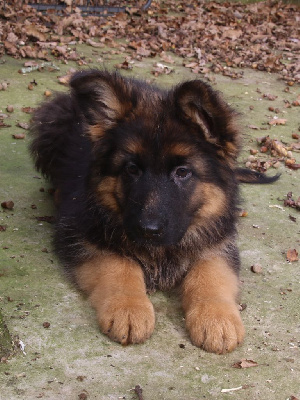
(5, 340)
(65, 355)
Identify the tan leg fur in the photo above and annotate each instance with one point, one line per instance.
(209, 294)
(117, 291)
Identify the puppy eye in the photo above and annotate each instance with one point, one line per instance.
(133, 169)
(183, 172)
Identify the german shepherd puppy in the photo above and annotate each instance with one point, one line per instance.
(147, 192)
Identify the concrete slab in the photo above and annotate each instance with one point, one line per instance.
(65, 355)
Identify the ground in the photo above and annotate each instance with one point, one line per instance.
(65, 356)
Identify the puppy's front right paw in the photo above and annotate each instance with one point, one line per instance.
(127, 319)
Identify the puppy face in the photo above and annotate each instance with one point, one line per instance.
(162, 161)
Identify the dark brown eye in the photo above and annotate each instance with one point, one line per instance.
(133, 169)
(183, 172)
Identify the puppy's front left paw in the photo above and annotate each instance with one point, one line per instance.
(215, 326)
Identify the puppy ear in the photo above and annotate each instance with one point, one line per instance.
(206, 109)
(102, 97)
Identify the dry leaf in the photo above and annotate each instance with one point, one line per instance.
(253, 127)
(9, 205)
(142, 51)
(23, 125)
(292, 255)
(94, 44)
(33, 30)
(290, 202)
(19, 136)
(28, 110)
(166, 58)
(244, 363)
(277, 121)
(232, 34)
(243, 213)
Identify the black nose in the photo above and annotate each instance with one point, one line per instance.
(150, 228)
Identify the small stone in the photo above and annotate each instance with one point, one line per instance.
(251, 158)
(264, 149)
(4, 86)
(9, 205)
(10, 108)
(256, 268)
(46, 325)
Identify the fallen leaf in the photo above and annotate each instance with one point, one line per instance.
(18, 136)
(23, 125)
(9, 204)
(232, 34)
(95, 44)
(166, 58)
(253, 127)
(243, 213)
(277, 121)
(245, 363)
(28, 110)
(290, 202)
(193, 64)
(293, 166)
(34, 31)
(270, 97)
(142, 51)
(292, 218)
(292, 255)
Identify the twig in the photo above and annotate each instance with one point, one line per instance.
(139, 391)
(231, 390)
(32, 68)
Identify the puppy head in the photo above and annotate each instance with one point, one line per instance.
(163, 160)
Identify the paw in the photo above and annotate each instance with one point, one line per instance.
(215, 326)
(127, 319)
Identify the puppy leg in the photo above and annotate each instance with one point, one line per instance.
(117, 291)
(209, 295)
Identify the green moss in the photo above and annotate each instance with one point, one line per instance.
(5, 339)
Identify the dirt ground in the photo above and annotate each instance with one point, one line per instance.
(64, 354)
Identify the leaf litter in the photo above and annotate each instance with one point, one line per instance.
(209, 36)
(277, 151)
(290, 202)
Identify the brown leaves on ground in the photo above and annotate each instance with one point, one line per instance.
(208, 36)
(279, 152)
(245, 363)
(292, 255)
(8, 205)
(290, 202)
